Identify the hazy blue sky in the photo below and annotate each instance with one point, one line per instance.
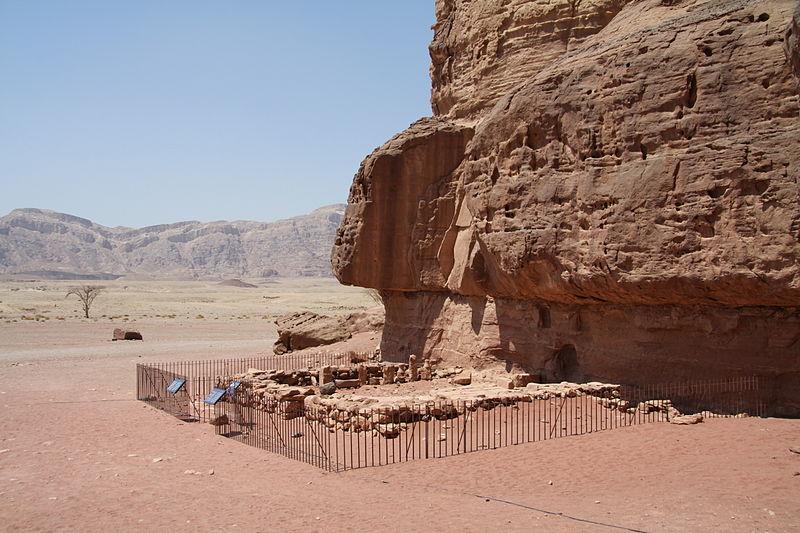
(150, 111)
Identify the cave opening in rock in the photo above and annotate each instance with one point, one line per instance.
(544, 317)
(563, 365)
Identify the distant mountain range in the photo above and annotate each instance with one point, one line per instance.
(46, 244)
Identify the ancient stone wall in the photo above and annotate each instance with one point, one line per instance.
(609, 188)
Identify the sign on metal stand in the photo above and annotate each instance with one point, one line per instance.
(232, 387)
(176, 385)
(215, 396)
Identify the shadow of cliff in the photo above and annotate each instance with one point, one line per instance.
(637, 346)
(410, 327)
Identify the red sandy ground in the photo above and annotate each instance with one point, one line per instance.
(78, 454)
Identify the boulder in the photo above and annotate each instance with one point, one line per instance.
(126, 335)
(521, 380)
(298, 331)
(347, 383)
(685, 420)
(462, 379)
(304, 330)
(389, 431)
(505, 383)
(327, 389)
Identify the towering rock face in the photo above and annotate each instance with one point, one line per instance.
(608, 189)
(482, 50)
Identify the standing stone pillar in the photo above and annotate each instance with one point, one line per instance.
(389, 372)
(427, 371)
(362, 374)
(412, 367)
(325, 375)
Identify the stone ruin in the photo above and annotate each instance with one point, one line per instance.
(342, 407)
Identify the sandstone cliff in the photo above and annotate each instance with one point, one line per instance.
(608, 189)
(46, 243)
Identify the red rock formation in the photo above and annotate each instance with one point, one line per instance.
(125, 335)
(298, 331)
(608, 190)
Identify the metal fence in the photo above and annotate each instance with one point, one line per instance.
(374, 437)
(200, 377)
(337, 440)
(712, 398)
(186, 403)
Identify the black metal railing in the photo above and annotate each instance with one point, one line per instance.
(712, 398)
(337, 440)
(200, 377)
(338, 436)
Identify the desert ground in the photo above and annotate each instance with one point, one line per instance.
(79, 453)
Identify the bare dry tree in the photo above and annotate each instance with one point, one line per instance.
(375, 295)
(86, 294)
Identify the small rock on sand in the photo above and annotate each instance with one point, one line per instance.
(126, 335)
(463, 380)
(685, 420)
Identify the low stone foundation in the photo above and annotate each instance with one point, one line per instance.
(296, 394)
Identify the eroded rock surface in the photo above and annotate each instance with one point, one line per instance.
(305, 329)
(607, 190)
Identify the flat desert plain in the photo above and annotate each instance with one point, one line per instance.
(79, 453)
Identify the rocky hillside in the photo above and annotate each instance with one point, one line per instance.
(607, 189)
(49, 244)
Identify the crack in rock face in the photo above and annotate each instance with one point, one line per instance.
(632, 168)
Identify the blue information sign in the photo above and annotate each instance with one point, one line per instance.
(214, 396)
(176, 385)
(233, 386)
